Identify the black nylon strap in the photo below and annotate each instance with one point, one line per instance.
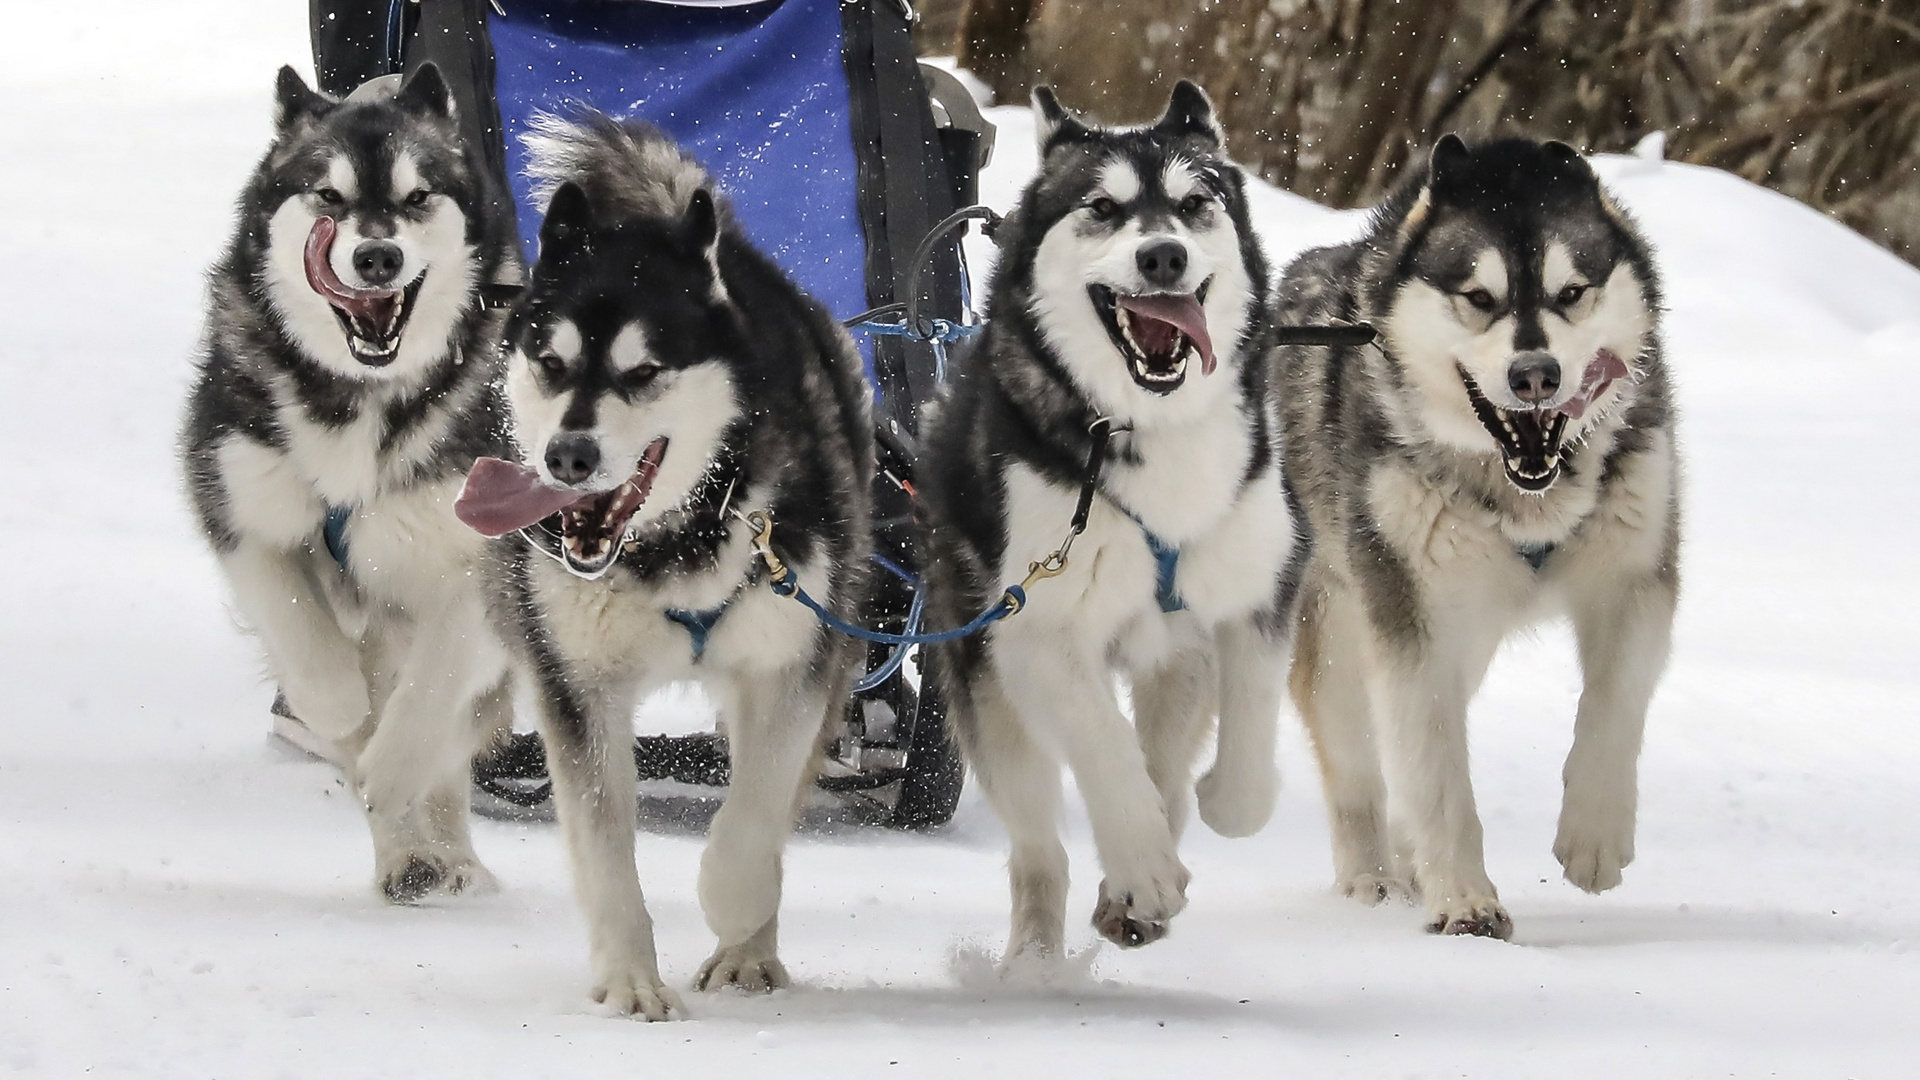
(1101, 431)
(1330, 334)
(904, 188)
(349, 42)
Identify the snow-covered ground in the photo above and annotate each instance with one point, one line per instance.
(177, 898)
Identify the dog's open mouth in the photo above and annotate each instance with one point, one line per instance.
(1157, 333)
(501, 496)
(1529, 440)
(1532, 440)
(372, 319)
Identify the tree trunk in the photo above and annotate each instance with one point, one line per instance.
(992, 43)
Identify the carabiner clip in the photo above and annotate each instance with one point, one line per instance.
(762, 523)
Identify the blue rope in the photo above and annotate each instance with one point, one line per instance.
(943, 333)
(885, 671)
(1015, 598)
(896, 569)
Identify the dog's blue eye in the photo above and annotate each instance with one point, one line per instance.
(551, 364)
(1570, 295)
(329, 196)
(1480, 298)
(1103, 207)
(418, 198)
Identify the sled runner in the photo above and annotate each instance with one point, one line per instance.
(841, 156)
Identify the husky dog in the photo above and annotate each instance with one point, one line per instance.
(1131, 287)
(665, 376)
(1506, 452)
(346, 385)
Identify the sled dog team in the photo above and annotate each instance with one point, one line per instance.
(421, 503)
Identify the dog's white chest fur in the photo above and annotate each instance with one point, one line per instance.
(617, 623)
(1233, 541)
(397, 531)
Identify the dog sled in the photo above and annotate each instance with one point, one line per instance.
(849, 162)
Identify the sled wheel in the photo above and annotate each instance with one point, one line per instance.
(930, 791)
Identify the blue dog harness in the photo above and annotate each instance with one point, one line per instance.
(1536, 555)
(698, 624)
(1166, 563)
(333, 532)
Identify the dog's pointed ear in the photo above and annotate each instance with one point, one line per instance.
(1569, 158)
(1052, 123)
(701, 227)
(701, 223)
(294, 100)
(1561, 150)
(1446, 164)
(568, 217)
(425, 93)
(1190, 113)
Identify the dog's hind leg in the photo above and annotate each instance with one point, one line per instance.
(1237, 794)
(317, 666)
(1624, 629)
(589, 739)
(1067, 700)
(1329, 688)
(1022, 783)
(776, 724)
(1172, 706)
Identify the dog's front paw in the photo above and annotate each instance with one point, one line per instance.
(748, 966)
(467, 877)
(333, 708)
(1132, 914)
(411, 876)
(1374, 887)
(1237, 799)
(1472, 915)
(635, 989)
(1593, 847)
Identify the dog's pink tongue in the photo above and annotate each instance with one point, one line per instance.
(1600, 373)
(1182, 310)
(365, 303)
(501, 496)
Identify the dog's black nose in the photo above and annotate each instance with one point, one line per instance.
(1534, 376)
(1163, 262)
(378, 262)
(572, 457)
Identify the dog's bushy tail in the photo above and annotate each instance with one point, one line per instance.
(628, 168)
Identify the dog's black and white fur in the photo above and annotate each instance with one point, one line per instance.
(1114, 215)
(651, 317)
(301, 409)
(1506, 452)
